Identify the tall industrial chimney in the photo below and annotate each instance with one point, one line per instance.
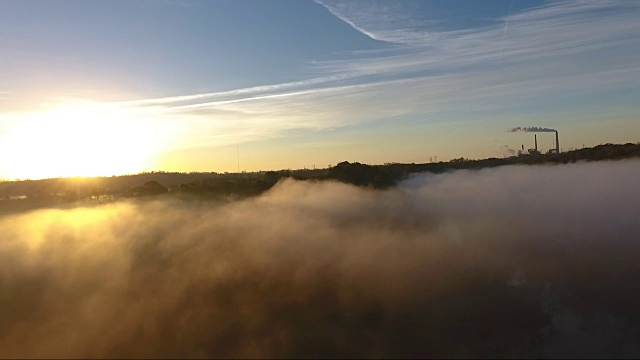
(557, 143)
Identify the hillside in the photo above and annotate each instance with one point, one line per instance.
(30, 194)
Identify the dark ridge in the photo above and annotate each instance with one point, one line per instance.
(63, 192)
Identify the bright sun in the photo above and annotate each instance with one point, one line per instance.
(78, 140)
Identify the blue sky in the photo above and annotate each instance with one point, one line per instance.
(295, 84)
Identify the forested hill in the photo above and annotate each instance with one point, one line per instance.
(35, 193)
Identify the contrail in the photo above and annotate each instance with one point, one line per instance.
(506, 24)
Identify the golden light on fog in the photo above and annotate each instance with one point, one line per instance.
(78, 140)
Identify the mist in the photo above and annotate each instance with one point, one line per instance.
(516, 261)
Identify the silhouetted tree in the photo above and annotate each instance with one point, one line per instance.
(149, 188)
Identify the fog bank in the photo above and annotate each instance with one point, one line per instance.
(507, 262)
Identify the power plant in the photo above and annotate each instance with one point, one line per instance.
(534, 150)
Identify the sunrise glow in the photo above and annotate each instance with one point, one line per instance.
(107, 88)
(78, 139)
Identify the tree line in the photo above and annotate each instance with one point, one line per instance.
(29, 194)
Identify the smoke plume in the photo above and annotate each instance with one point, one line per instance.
(505, 151)
(538, 261)
(530, 129)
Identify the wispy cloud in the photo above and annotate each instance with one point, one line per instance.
(564, 50)
(263, 89)
(387, 21)
(557, 49)
(558, 30)
(348, 18)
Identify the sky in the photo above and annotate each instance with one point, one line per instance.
(114, 87)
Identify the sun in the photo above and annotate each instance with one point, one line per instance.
(79, 139)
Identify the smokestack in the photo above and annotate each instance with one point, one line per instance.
(557, 143)
(535, 138)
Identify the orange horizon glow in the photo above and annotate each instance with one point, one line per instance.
(78, 140)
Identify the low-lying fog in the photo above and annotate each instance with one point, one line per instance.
(537, 261)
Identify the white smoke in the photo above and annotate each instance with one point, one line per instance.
(505, 151)
(530, 129)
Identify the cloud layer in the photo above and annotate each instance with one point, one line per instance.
(514, 261)
(561, 53)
